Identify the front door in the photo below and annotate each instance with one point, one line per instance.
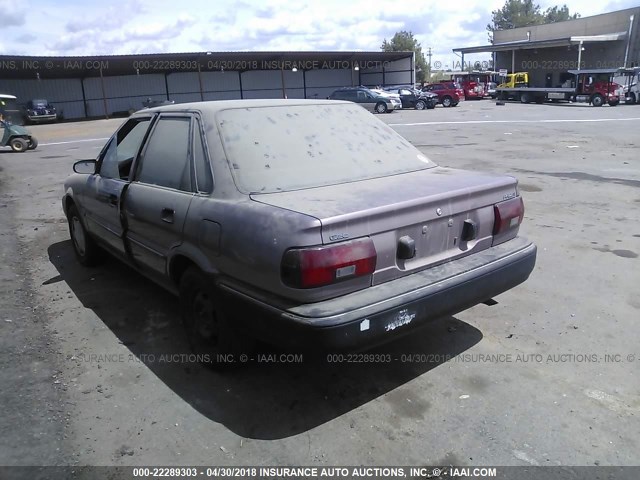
(407, 97)
(158, 199)
(103, 195)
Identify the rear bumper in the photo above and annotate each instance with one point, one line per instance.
(380, 313)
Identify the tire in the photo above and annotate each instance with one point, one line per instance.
(447, 101)
(455, 104)
(597, 100)
(420, 105)
(33, 143)
(614, 103)
(86, 249)
(524, 98)
(381, 107)
(209, 329)
(431, 107)
(632, 99)
(19, 145)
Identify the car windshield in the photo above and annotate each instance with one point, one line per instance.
(39, 103)
(287, 148)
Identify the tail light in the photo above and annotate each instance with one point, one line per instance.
(318, 266)
(508, 215)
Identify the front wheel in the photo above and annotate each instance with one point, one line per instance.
(597, 100)
(33, 143)
(447, 102)
(381, 107)
(87, 251)
(209, 329)
(420, 105)
(19, 145)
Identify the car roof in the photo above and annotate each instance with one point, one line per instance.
(214, 106)
(10, 97)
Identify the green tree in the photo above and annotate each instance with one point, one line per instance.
(404, 41)
(559, 14)
(514, 14)
(523, 13)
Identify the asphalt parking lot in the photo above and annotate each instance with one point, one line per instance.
(90, 358)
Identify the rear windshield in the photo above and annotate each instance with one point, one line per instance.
(275, 149)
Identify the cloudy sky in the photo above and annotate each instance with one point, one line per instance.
(77, 27)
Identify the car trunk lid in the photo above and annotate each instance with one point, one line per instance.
(416, 220)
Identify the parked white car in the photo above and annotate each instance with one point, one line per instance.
(395, 98)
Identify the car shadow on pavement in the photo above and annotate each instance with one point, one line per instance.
(260, 400)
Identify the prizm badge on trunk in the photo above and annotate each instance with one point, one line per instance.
(339, 236)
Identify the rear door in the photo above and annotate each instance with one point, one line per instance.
(101, 202)
(158, 199)
(366, 100)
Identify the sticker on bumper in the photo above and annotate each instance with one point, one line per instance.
(403, 318)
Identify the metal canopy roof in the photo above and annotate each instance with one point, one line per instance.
(595, 71)
(14, 66)
(555, 42)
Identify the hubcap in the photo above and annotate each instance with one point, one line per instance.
(205, 319)
(78, 235)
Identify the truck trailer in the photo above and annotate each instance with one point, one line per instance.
(595, 87)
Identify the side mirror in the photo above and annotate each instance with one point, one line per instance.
(85, 166)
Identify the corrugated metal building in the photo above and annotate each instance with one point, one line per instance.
(106, 85)
(610, 40)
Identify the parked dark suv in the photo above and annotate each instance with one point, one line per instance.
(40, 110)
(412, 98)
(449, 93)
(366, 98)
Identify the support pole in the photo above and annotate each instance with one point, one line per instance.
(104, 97)
(579, 54)
(626, 53)
(284, 90)
(200, 83)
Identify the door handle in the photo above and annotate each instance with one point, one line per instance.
(167, 215)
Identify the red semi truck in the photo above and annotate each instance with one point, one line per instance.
(475, 84)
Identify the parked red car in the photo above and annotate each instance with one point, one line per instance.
(449, 93)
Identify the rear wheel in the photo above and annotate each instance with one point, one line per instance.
(87, 251)
(447, 101)
(33, 143)
(19, 144)
(209, 329)
(420, 105)
(524, 98)
(381, 107)
(597, 100)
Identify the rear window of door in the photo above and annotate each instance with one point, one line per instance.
(166, 158)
